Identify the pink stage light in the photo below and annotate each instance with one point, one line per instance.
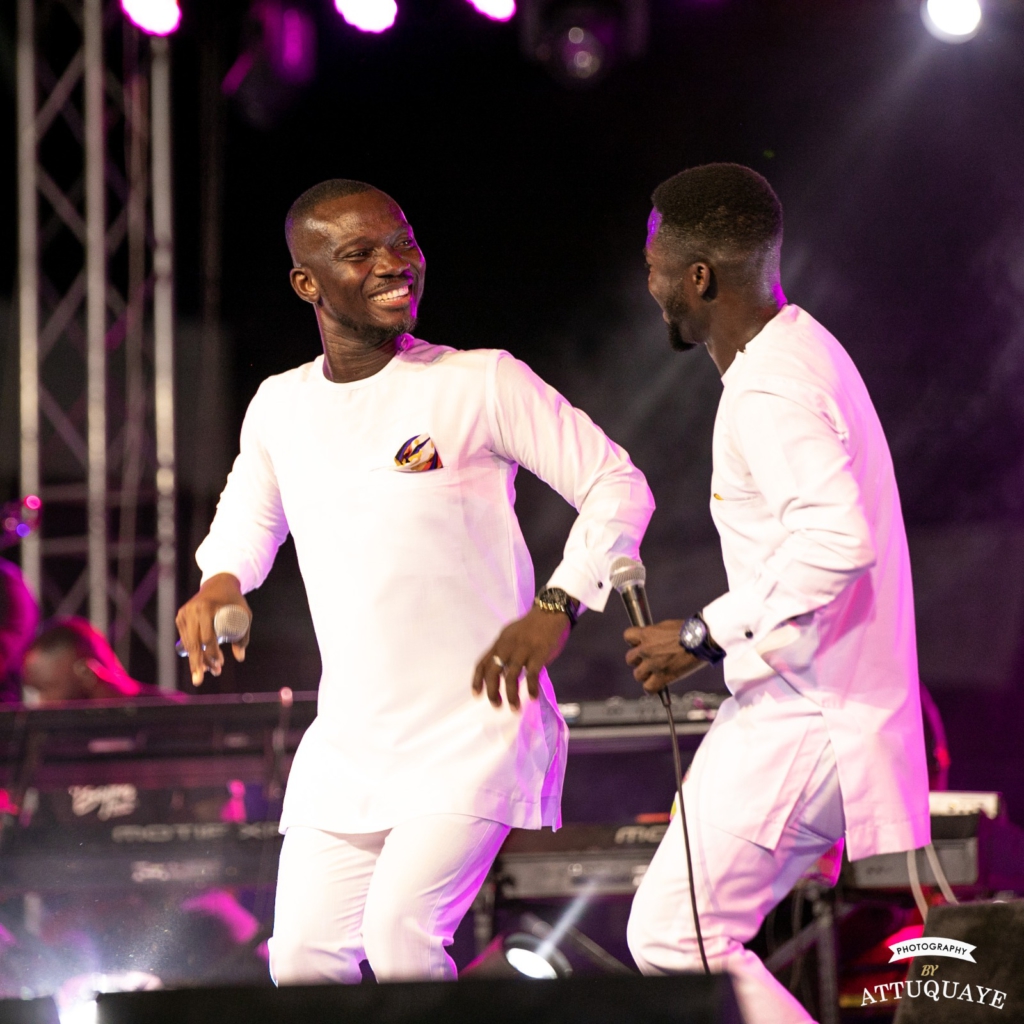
(368, 15)
(498, 10)
(157, 17)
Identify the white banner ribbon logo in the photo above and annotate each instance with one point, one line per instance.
(910, 948)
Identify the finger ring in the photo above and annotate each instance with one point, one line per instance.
(497, 661)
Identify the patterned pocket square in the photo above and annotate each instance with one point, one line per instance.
(417, 455)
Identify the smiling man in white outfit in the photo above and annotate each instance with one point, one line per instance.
(822, 739)
(392, 463)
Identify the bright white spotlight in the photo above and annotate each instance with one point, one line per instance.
(525, 961)
(952, 21)
(497, 10)
(157, 17)
(76, 998)
(82, 1012)
(368, 15)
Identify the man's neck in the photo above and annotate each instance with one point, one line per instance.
(347, 359)
(737, 325)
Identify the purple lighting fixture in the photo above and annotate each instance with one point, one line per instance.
(155, 17)
(289, 39)
(497, 10)
(297, 47)
(368, 15)
(286, 39)
(277, 60)
(18, 519)
(581, 41)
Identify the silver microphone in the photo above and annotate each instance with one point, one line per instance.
(231, 623)
(628, 577)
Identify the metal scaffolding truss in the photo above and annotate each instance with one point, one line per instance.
(96, 323)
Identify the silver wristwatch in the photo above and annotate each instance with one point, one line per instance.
(695, 637)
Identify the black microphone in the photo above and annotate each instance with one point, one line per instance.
(628, 577)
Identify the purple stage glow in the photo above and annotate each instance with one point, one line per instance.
(156, 17)
(368, 15)
(289, 38)
(497, 10)
(298, 45)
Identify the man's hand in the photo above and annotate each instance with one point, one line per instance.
(529, 643)
(195, 625)
(656, 657)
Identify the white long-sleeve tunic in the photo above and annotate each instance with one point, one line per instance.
(819, 617)
(410, 575)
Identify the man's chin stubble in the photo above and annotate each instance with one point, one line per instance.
(678, 342)
(375, 336)
(378, 337)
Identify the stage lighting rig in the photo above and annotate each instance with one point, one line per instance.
(155, 17)
(580, 41)
(520, 955)
(541, 951)
(368, 15)
(952, 21)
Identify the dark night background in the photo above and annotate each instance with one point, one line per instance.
(899, 161)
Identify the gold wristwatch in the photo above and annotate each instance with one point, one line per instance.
(554, 599)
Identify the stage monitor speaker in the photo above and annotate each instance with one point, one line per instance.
(28, 1011)
(684, 999)
(942, 988)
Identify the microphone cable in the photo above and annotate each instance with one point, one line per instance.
(629, 577)
(666, 700)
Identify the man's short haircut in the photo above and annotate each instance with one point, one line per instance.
(303, 207)
(71, 634)
(87, 642)
(81, 636)
(723, 211)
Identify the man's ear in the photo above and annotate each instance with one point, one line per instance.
(304, 285)
(86, 677)
(705, 282)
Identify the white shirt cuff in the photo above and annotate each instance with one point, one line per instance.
(590, 592)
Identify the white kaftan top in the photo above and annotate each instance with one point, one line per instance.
(819, 617)
(411, 571)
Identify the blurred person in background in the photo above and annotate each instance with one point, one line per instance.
(19, 616)
(71, 660)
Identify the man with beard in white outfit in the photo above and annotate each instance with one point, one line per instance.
(821, 740)
(392, 463)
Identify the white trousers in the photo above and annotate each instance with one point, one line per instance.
(393, 898)
(737, 883)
